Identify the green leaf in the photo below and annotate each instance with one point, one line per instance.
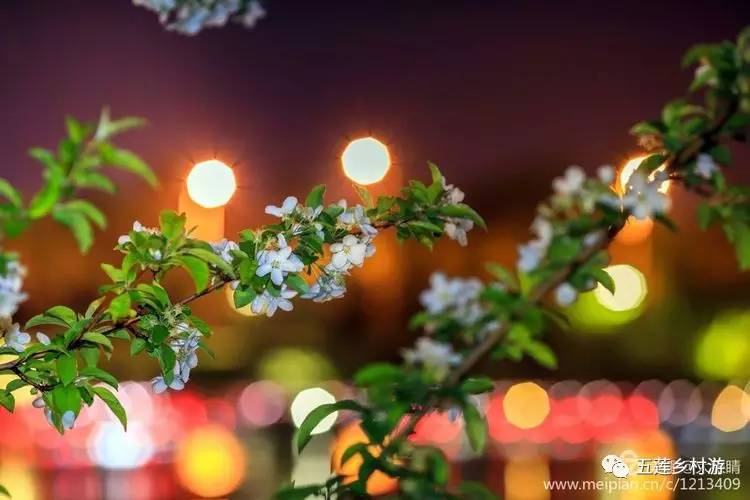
(7, 401)
(108, 128)
(476, 427)
(463, 211)
(98, 338)
(10, 193)
(78, 224)
(4, 491)
(45, 198)
(243, 296)
(437, 176)
(315, 198)
(304, 433)
(364, 195)
(378, 373)
(119, 307)
(67, 369)
(99, 374)
(197, 268)
(137, 346)
(111, 401)
(89, 210)
(477, 385)
(126, 160)
(297, 283)
(172, 224)
(212, 259)
(541, 353)
(604, 278)
(721, 155)
(66, 314)
(43, 319)
(158, 334)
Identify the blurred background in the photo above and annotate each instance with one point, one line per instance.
(502, 97)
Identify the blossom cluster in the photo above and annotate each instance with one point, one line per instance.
(190, 17)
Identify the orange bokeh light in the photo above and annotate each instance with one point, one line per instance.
(210, 462)
(378, 483)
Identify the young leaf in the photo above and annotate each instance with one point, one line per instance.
(304, 433)
(99, 374)
(67, 369)
(477, 385)
(315, 198)
(7, 401)
(111, 401)
(197, 268)
(127, 160)
(119, 307)
(172, 224)
(476, 427)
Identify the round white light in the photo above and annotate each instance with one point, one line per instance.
(630, 289)
(111, 447)
(309, 399)
(366, 160)
(211, 184)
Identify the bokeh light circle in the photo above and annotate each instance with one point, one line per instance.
(366, 160)
(526, 405)
(210, 462)
(309, 399)
(630, 289)
(211, 184)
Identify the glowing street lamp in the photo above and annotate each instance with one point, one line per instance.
(366, 160)
(211, 184)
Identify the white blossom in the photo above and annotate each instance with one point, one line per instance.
(11, 283)
(185, 343)
(542, 228)
(606, 174)
(138, 228)
(565, 295)
(42, 338)
(350, 251)
(445, 293)
(643, 197)
(452, 194)
(224, 248)
(286, 208)
(267, 303)
(456, 229)
(253, 14)
(325, 288)
(571, 182)
(436, 357)
(356, 217)
(15, 338)
(279, 262)
(705, 166)
(530, 255)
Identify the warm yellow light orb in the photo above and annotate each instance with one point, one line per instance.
(526, 405)
(630, 289)
(366, 160)
(728, 413)
(210, 462)
(631, 166)
(211, 184)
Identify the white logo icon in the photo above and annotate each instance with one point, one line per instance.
(614, 465)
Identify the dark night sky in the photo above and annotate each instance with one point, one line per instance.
(502, 95)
